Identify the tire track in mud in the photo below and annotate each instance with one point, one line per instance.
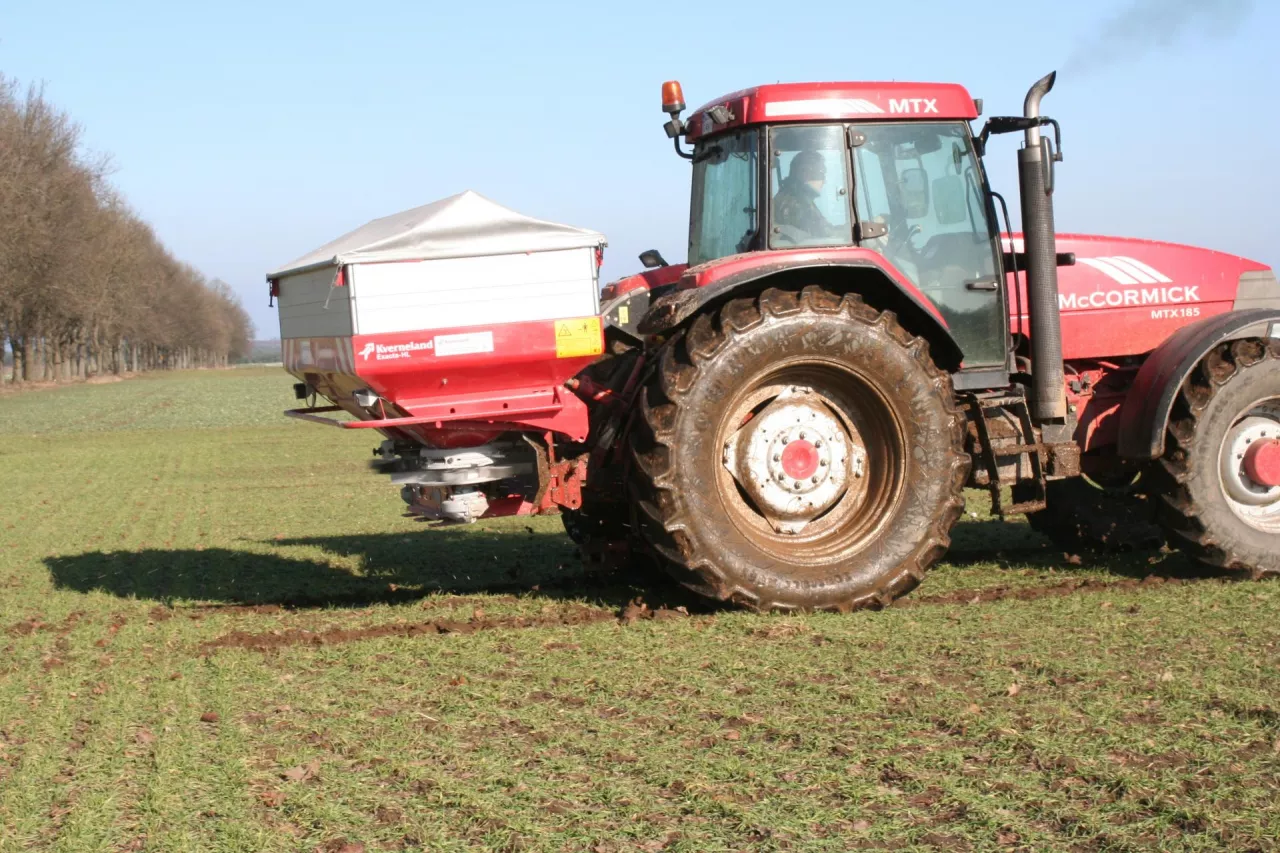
(637, 611)
(1074, 586)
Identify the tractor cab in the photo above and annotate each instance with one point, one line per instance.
(889, 169)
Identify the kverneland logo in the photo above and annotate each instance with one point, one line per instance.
(383, 352)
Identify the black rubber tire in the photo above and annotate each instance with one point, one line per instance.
(1186, 483)
(678, 505)
(1082, 517)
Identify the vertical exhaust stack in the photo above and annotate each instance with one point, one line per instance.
(1035, 183)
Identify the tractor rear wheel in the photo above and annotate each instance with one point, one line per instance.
(1217, 487)
(798, 451)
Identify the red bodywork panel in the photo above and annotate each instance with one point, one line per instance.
(780, 102)
(647, 280)
(1122, 299)
(1125, 296)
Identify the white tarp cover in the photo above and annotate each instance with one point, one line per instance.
(466, 225)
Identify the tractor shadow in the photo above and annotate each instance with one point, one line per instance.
(389, 568)
(393, 568)
(1013, 543)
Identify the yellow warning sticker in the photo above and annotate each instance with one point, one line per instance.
(576, 338)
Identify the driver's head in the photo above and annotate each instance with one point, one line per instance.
(809, 167)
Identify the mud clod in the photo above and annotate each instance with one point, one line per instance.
(27, 626)
(340, 845)
(637, 610)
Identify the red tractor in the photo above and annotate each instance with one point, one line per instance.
(789, 420)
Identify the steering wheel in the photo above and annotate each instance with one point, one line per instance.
(899, 234)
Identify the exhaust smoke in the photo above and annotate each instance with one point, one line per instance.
(1147, 25)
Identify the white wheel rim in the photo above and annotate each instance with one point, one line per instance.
(757, 456)
(1256, 504)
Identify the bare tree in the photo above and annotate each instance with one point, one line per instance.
(85, 285)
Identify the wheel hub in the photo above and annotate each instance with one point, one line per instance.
(794, 459)
(800, 459)
(1250, 462)
(1262, 462)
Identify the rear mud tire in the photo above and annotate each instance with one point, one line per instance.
(1186, 482)
(1084, 517)
(694, 523)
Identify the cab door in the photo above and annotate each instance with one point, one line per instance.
(920, 201)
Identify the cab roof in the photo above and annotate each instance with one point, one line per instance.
(785, 102)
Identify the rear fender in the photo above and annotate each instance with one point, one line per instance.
(1145, 413)
(866, 274)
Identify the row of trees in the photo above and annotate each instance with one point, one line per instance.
(85, 285)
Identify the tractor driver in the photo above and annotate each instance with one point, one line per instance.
(795, 205)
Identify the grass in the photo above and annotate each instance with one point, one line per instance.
(471, 688)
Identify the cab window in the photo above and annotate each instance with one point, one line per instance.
(809, 187)
(723, 207)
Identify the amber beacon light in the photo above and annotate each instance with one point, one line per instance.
(672, 97)
(673, 105)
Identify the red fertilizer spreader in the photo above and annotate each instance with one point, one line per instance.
(452, 329)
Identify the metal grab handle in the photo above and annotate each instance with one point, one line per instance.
(1046, 147)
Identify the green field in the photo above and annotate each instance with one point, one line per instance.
(219, 633)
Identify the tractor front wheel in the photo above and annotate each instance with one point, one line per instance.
(798, 451)
(1218, 484)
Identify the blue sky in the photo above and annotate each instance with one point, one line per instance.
(249, 133)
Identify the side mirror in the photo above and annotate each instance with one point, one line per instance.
(949, 200)
(914, 185)
(652, 259)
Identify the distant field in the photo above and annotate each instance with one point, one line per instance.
(218, 633)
